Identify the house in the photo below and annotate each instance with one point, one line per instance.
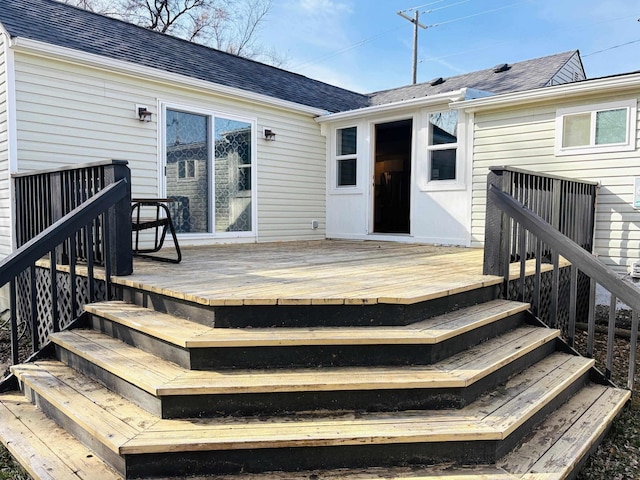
(235, 360)
(74, 84)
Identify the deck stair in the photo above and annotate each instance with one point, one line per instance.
(481, 390)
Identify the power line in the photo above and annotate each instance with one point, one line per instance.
(611, 48)
(422, 6)
(475, 14)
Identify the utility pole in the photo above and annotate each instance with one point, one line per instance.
(416, 24)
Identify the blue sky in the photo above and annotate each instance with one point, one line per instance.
(365, 46)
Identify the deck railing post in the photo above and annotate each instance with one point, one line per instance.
(119, 223)
(494, 234)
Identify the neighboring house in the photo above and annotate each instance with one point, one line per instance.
(393, 165)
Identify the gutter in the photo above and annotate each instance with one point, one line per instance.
(448, 97)
(35, 47)
(568, 90)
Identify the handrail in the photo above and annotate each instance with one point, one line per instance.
(46, 300)
(581, 261)
(42, 197)
(567, 248)
(36, 248)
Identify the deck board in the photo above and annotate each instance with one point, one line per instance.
(320, 273)
(188, 334)
(160, 377)
(58, 456)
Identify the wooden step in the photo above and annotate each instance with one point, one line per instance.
(45, 450)
(170, 391)
(561, 445)
(196, 346)
(146, 446)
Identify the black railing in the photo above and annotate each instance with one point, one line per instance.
(519, 231)
(45, 196)
(568, 205)
(52, 275)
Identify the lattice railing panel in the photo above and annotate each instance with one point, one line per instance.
(44, 305)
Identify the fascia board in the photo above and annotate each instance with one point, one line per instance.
(20, 44)
(453, 96)
(569, 90)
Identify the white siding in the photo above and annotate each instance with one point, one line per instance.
(525, 138)
(5, 192)
(69, 113)
(572, 71)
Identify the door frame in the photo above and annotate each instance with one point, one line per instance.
(371, 177)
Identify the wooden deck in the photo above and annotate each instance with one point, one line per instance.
(328, 272)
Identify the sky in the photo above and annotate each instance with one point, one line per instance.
(365, 46)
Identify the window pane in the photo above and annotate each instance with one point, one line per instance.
(611, 126)
(346, 141)
(576, 130)
(443, 127)
(346, 172)
(443, 164)
(232, 175)
(187, 137)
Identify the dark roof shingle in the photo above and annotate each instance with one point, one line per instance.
(66, 26)
(526, 75)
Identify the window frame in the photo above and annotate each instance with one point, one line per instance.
(431, 184)
(629, 144)
(341, 158)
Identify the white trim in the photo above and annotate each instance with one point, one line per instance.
(12, 131)
(630, 105)
(423, 181)
(389, 108)
(332, 146)
(47, 50)
(162, 183)
(370, 184)
(609, 85)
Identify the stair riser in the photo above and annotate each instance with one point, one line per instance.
(86, 438)
(140, 397)
(306, 356)
(308, 458)
(266, 316)
(269, 403)
(358, 400)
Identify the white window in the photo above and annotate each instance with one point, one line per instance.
(442, 147)
(186, 169)
(346, 156)
(607, 127)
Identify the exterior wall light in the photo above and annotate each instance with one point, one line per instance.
(144, 115)
(269, 135)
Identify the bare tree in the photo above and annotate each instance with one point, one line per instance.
(228, 25)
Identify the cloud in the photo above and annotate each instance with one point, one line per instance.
(328, 6)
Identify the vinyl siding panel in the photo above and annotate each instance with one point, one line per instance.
(525, 138)
(69, 113)
(571, 72)
(5, 190)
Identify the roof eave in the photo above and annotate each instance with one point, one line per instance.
(567, 90)
(446, 97)
(35, 47)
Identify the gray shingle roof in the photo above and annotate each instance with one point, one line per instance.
(66, 26)
(520, 76)
(63, 25)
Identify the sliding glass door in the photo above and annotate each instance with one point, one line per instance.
(209, 172)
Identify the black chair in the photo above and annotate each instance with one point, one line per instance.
(160, 221)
